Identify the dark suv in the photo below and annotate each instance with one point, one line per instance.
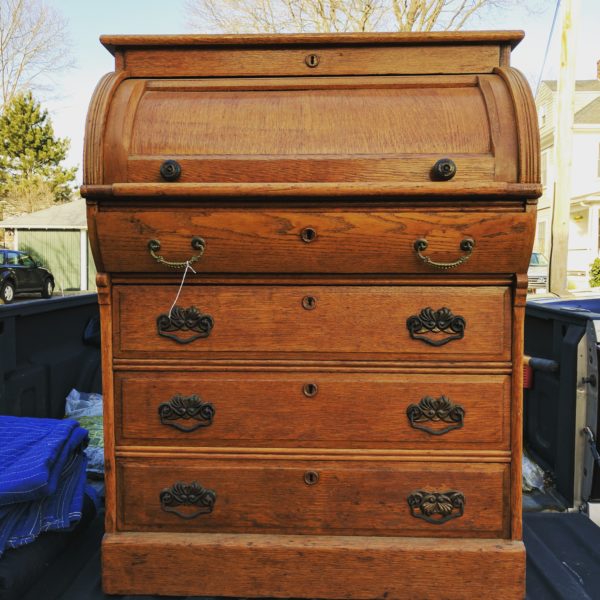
(20, 273)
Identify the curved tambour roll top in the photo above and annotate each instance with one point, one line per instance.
(191, 115)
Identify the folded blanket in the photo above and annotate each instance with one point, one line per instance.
(42, 477)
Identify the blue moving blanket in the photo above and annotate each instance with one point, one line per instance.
(42, 477)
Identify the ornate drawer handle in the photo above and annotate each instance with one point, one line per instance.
(186, 408)
(184, 494)
(436, 321)
(197, 243)
(466, 245)
(436, 507)
(440, 409)
(184, 319)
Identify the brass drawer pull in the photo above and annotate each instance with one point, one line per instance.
(436, 507)
(430, 321)
(197, 243)
(184, 494)
(436, 410)
(186, 408)
(466, 245)
(184, 319)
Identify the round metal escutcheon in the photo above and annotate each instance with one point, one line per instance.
(308, 234)
(310, 390)
(309, 302)
(311, 477)
(312, 61)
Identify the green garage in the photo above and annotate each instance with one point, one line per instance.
(57, 238)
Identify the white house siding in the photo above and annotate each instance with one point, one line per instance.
(585, 182)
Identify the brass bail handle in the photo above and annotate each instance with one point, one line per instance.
(466, 245)
(197, 243)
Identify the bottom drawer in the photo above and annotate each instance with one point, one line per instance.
(344, 497)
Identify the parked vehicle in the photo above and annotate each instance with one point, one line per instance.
(20, 273)
(537, 274)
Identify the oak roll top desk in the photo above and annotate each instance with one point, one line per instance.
(329, 405)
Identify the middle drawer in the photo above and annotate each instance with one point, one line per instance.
(311, 322)
(368, 410)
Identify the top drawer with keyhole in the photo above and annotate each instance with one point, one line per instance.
(315, 240)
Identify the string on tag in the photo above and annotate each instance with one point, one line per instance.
(189, 267)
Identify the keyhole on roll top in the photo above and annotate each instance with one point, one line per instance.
(312, 60)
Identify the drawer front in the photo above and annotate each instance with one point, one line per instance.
(425, 412)
(315, 241)
(301, 496)
(351, 322)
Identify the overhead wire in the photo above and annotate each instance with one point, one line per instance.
(554, 18)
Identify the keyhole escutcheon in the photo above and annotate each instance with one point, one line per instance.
(310, 389)
(312, 60)
(308, 234)
(311, 477)
(309, 302)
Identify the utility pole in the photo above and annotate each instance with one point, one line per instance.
(563, 146)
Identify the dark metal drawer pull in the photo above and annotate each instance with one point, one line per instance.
(184, 319)
(436, 507)
(466, 245)
(430, 321)
(186, 408)
(197, 244)
(184, 494)
(440, 409)
(443, 170)
(170, 170)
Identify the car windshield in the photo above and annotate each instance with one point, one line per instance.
(538, 259)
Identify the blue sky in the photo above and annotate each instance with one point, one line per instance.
(88, 19)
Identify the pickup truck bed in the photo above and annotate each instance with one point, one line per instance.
(563, 562)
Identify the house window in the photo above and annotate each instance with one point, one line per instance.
(542, 116)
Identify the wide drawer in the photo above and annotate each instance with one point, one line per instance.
(314, 241)
(353, 322)
(428, 411)
(417, 498)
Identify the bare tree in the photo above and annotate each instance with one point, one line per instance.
(321, 16)
(26, 195)
(34, 45)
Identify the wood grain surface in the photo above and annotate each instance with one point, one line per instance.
(333, 60)
(350, 497)
(355, 411)
(273, 146)
(258, 240)
(347, 321)
(278, 130)
(353, 567)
